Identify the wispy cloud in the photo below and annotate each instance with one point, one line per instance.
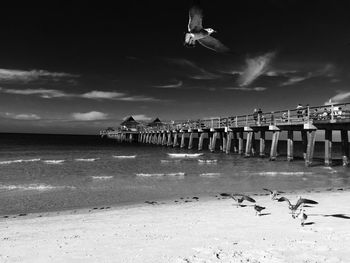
(195, 71)
(177, 84)
(89, 116)
(296, 79)
(295, 76)
(43, 93)
(255, 67)
(95, 94)
(21, 116)
(340, 97)
(7, 75)
(247, 88)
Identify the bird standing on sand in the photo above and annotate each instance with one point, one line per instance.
(273, 193)
(302, 216)
(239, 198)
(300, 203)
(258, 209)
(196, 32)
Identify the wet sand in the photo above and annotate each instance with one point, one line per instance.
(188, 229)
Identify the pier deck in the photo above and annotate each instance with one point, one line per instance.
(229, 132)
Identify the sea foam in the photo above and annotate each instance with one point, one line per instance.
(184, 155)
(180, 174)
(54, 161)
(201, 161)
(283, 173)
(20, 161)
(101, 177)
(124, 156)
(210, 174)
(34, 187)
(86, 159)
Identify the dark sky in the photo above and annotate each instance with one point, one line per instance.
(78, 68)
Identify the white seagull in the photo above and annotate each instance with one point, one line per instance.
(273, 193)
(302, 216)
(239, 198)
(300, 203)
(196, 32)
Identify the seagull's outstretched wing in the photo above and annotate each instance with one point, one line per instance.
(284, 199)
(213, 44)
(268, 190)
(248, 198)
(304, 201)
(195, 19)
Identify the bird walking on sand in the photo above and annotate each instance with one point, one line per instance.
(239, 198)
(273, 193)
(196, 32)
(302, 216)
(300, 203)
(258, 209)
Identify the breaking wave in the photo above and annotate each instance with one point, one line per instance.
(184, 155)
(124, 156)
(33, 187)
(54, 161)
(284, 173)
(160, 174)
(86, 159)
(201, 161)
(101, 177)
(210, 174)
(20, 161)
(169, 161)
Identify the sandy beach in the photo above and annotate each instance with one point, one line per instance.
(184, 230)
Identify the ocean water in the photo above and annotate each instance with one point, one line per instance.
(58, 172)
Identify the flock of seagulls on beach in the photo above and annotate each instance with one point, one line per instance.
(297, 210)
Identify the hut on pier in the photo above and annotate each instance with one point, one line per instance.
(129, 124)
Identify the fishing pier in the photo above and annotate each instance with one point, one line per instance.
(238, 134)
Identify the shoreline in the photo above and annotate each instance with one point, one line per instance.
(170, 200)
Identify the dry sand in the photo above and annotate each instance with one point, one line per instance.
(208, 230)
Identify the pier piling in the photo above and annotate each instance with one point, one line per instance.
(345, 147)
(328, 148)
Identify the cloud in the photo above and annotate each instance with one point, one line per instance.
(296, 79)
(89, 116)
(196, 72)
(255, 67)
(43, 93)
(8, 75)
(292, 77)
(95, 94)
(22, 116)
(178, 84)
(137, 98)
(339, 97)
(247, 88)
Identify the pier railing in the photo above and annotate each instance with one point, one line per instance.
(298, 116)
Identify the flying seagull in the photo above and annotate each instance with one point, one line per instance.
(239, 198)
(258, 209)
(273, 193)
(300, 202)
(196, 32)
